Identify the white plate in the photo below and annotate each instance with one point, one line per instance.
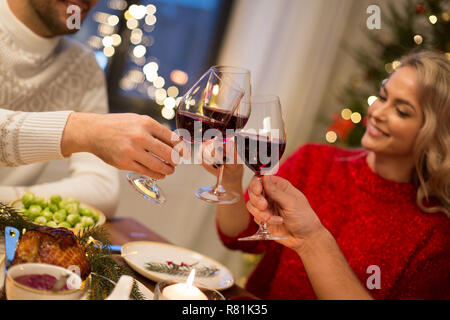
(138, 253)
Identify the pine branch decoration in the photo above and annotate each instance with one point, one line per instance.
(181, 269)
(9, 216)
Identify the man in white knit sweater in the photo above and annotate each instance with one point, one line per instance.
(44, 78)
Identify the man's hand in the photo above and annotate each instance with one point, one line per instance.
(125, 141)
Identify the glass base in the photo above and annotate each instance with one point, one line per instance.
(262, 234)
(209, 194)
(146, 187)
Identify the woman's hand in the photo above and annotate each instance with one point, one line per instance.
(285, 209)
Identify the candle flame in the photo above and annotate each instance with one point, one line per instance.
(190, 279)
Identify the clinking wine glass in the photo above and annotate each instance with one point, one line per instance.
(207, 108)
(240, 77)
(146, 186)
(261, 145)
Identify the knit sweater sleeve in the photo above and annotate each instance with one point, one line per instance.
(427, 275)
(28, 137)
(91, 180)
(296, 170)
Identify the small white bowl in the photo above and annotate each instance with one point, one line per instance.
(17, 291)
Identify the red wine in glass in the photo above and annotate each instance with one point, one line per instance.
(251, 150)
(235, 122)
(261, 145)
(187, 120)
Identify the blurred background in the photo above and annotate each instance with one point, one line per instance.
(319, 56)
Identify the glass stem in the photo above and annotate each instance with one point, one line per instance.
(218, 188)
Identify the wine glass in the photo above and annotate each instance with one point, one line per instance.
(205, 110)
(241, 77)
(261, 144)
(146, 186)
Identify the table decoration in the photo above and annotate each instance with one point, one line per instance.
(105, 271)
(166, 290)
(183, 268)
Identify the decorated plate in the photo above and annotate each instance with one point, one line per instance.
(165, 262)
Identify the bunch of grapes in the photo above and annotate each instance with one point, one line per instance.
(57, 212)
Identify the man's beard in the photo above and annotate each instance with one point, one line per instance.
(50, 17)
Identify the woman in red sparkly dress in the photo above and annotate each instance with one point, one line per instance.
(361, 224)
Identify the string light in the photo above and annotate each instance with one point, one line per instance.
(396, 64)
(159, 82)
(132, 24)
(331, 136)
(139, 51)
(433, 19)
(108, 51)
(107, 41)
(117, 39)
(168, 113)
(389, 68)
(172, 91)
(150, 20)
(137, 11)
(179, 77)
(160, 94)
(346, 114)
(371, 100)
(169, 102)
(151, 9)
(446, 16)
(113, 20)
(418, 39)
(356, 117)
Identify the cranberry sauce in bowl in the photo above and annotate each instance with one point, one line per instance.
(39, 281)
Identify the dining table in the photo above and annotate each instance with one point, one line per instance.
(124, 229)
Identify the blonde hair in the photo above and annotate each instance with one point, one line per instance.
(432, 146)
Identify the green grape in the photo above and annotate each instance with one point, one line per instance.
(72, 208)
(87, 221)
(73, 219)
(52, 224)
(86, 212)
(40, 220)
(64, 224)
(55, 199)
(47, 214)
(27, 199)
(60, 216)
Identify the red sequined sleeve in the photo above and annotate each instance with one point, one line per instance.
(428, 274)
(294, 169)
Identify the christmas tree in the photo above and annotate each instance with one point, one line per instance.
(417, 24)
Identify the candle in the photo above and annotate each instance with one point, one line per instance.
(183, 291)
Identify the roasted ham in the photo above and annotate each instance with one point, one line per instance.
(57, 246)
